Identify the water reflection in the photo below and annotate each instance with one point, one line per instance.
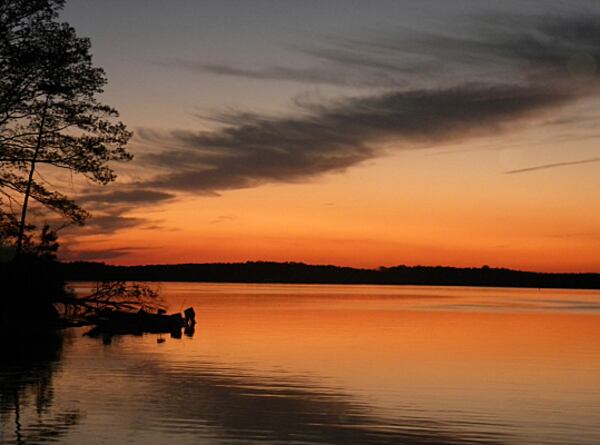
(276, 364)
(199, 401)
(27, 370)
(245, 406)
(210, 402)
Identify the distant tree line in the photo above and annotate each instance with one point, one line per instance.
(272, 272)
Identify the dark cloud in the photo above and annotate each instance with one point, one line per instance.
(133, 196)
(111, 223)
(106, 223)
(498, 45)
(504, 46)
(111, 211)
(510, 70)
(254, 150)
(95, 255)
(554, 165)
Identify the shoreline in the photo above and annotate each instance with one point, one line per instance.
(305, 274)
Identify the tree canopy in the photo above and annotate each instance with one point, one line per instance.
(49, 110)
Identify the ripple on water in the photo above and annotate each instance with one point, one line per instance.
(336, 365)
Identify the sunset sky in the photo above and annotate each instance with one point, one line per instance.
(354, 133)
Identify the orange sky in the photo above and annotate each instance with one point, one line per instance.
(430, 196)
(437, 207)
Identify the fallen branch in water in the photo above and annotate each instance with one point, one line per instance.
(112, 295)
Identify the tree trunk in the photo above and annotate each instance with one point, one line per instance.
(38, 146)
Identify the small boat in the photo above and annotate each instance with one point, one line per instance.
(110, 322)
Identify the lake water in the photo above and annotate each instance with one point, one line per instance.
(322, 364)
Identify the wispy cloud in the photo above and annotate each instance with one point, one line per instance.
(98, 254)
(112, 211)
(133, 196)
(223, 219)
(498, 45)
(111, 223)
(509, 71)
(254, 150)
(311, 75)
(553, 165)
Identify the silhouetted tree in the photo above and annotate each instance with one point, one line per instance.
(49, 116)
(49, 113)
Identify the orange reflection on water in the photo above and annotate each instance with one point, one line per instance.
(523, 363)
(363, 339)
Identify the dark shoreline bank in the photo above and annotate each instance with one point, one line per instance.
(300, 273)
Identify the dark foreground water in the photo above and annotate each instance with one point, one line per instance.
(322, 364)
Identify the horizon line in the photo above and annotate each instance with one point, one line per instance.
(372, 269)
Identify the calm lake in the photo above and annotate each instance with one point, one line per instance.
(308, 364)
